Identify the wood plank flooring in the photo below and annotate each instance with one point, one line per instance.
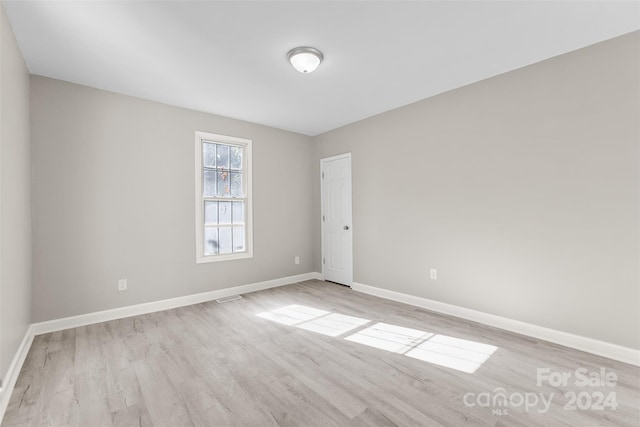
(308, 354)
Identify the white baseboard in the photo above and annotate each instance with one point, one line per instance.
(14, 370)
(151, 307)
(122, 312)
(590, 345)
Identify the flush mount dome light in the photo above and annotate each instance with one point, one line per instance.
(305, 59)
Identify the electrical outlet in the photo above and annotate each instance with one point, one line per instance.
(296, 260)
(433, 274)
(122, 284)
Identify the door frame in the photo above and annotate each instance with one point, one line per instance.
(322, 246)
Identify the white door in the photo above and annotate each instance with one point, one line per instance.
(337, 237)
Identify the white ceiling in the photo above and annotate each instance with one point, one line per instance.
(228, 58)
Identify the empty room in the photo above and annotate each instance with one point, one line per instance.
(319, 213)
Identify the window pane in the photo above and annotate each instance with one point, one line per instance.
(236, 184)
(238, 239)
(210, 241)
(209, 155)
(224, 212)
(209, 187)
(210, 213)
(235, 157)
(224, 188)
(238, 212)
(225, 240)
(222, 156)
(223, 204)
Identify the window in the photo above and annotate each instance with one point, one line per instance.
(223, 198)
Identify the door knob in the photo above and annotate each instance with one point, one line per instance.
(346, 227)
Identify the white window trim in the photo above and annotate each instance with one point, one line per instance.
(247, 158)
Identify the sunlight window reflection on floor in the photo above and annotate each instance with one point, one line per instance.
(462, 355)
(293, 314)
(333, 324)
(312, 319)
(456, 353)
(389, 337)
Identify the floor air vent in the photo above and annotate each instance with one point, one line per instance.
(227, 299)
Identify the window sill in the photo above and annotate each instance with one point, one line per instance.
(225, 257)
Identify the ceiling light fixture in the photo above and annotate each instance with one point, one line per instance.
(305, 59)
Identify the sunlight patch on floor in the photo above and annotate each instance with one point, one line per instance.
(293, 314)
(389, 337)
(333, 324)
(312, 319)
(456, 353)
(462, 355)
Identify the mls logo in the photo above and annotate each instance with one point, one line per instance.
(500, 412)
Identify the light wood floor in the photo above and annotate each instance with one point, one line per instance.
(221, 364)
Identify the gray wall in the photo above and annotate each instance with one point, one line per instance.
(113, 191)
(522, 190)
(15, 197)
